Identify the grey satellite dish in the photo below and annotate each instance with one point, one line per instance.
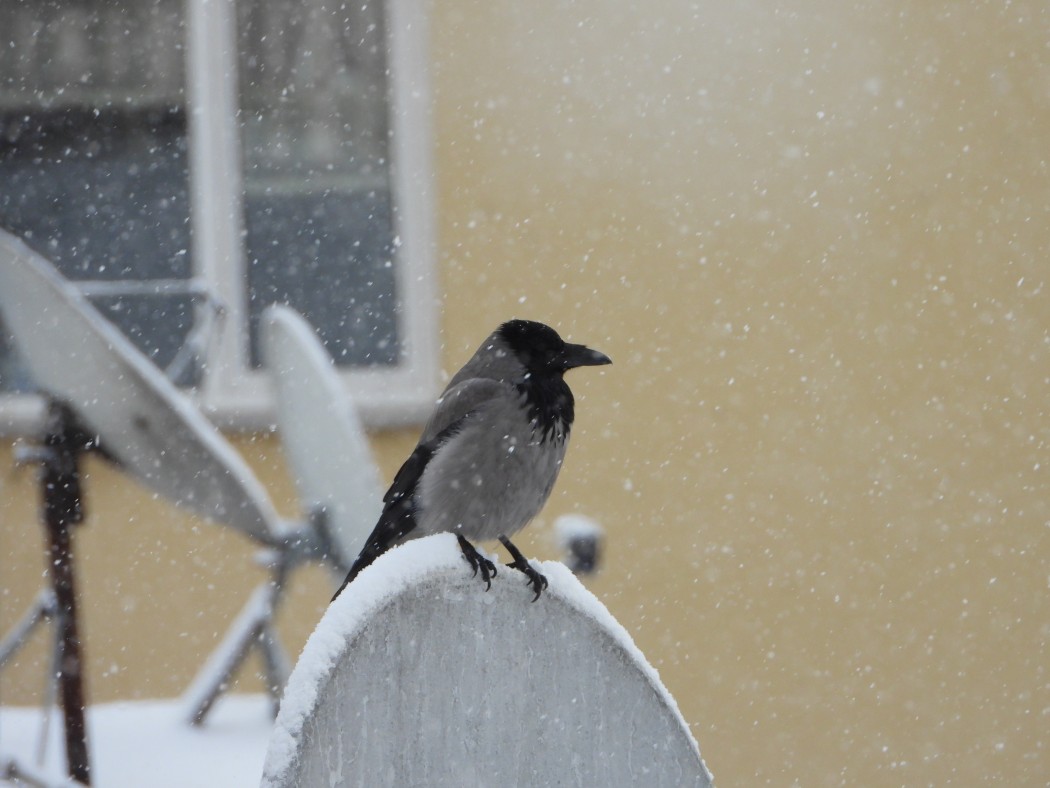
(325, 442)
(418, 676)
(157, 435)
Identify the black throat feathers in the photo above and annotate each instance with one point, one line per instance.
(550, 405)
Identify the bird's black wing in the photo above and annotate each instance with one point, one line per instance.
(398, 519)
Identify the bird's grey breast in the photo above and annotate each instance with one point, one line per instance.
(495, 473)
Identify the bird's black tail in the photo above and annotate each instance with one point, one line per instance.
(367, 556)
(396, 521)
(398, 517)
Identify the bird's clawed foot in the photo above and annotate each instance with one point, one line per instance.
(477, 561)
(536, 580)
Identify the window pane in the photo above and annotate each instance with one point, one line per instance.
(318, 210)
(93, 158)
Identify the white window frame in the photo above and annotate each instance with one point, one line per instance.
(233, 394)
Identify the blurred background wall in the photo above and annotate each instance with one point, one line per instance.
(813, 238)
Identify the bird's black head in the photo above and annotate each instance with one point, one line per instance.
(539, 348)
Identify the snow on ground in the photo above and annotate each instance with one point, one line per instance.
(148, 743)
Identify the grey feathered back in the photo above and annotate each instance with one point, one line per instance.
(477, 381)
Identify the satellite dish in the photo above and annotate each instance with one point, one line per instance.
(151, 428)
(322, 435)
(418, 676)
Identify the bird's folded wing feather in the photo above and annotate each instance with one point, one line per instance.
(453, 410)
(456, 406)
(457, 402)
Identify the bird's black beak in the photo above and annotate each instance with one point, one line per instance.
(581, 356)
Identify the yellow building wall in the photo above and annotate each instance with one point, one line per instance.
(814, 240)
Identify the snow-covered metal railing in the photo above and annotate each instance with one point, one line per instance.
(208, 316)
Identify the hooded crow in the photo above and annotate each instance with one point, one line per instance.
(490, 453)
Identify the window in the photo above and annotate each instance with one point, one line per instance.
(262, 152)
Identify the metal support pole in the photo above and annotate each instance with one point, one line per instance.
(253, 628)
(62, 509)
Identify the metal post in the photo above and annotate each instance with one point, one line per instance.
(253, 628)
(62, 509)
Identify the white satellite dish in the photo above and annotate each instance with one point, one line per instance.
(418, 676)
(326, 444)
(153, 430)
